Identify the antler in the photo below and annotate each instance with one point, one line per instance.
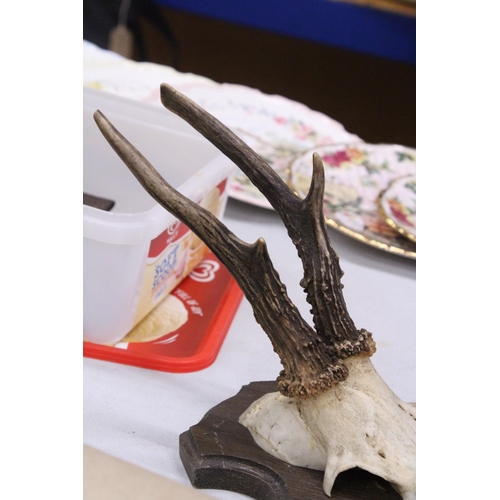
(307, 369)
(311, 359)
(304, 221)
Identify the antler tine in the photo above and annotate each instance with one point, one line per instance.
(304, 221)
(267, 181)
(307, 369)
(323, 274)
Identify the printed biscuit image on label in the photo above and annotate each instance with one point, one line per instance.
(167, 317)
(172, 256)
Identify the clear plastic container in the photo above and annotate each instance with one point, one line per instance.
(135, 254)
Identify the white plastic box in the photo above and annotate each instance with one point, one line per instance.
(135, 254)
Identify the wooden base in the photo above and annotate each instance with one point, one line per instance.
(220, 453)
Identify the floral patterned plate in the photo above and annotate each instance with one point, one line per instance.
(355, 176)
(398, 206)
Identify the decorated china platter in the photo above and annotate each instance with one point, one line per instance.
(398, 206)
(355, 176)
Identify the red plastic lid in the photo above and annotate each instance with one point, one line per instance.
(211, 296)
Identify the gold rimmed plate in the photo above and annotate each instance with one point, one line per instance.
(355, 175)
(398, 206)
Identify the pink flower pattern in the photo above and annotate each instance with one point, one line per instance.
(336, 159)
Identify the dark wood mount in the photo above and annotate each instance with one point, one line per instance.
(220, 453)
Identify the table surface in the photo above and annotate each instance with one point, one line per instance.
(137, 414)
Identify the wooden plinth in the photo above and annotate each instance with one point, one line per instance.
(220, 453)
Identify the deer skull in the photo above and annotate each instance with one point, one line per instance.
(333, 411)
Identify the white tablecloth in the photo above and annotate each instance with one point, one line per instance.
(137, 414)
